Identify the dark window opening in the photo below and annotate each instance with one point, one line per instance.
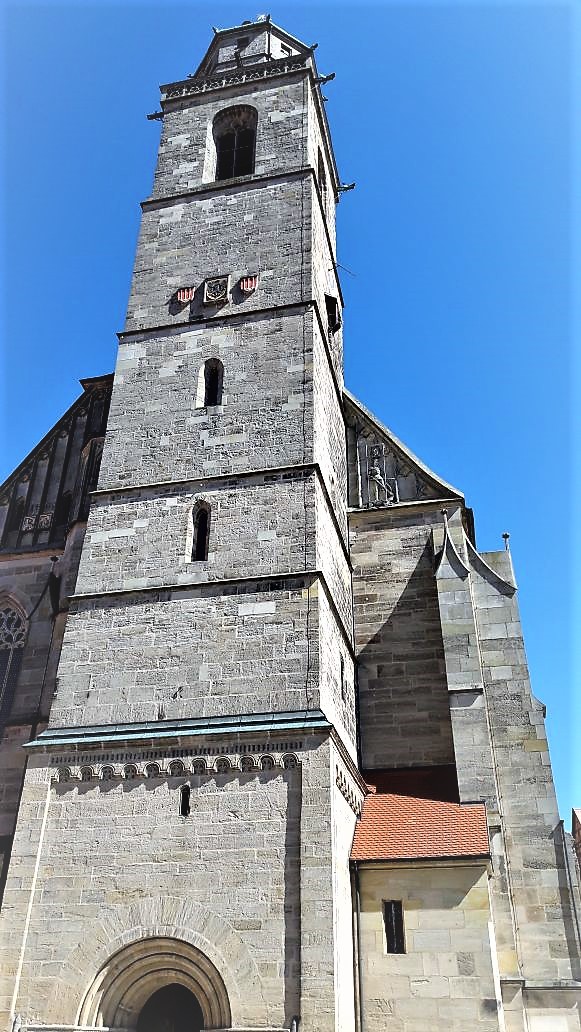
(242, 42)
(333, 314)
(285, 51)
(185, 801)
(213, 380)
(235, 154)
(16, 516)
(62, 512)
(393, 923)
(235, 137)
(322, 178)
(201, 534)
(343, 685)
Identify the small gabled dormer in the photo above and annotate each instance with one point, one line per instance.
(250, 43)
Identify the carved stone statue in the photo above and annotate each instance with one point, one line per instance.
(379, 492)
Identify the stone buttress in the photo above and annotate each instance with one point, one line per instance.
(447, 713)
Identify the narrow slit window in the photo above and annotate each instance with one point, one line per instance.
(342, 675)
(333, 314)
(393, 924)
(322, 178)
(201, 533)
(213, 380)
(185, 801)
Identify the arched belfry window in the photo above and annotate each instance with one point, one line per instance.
(201, 532)
(13, 631)
(235, 139)
(213, 380)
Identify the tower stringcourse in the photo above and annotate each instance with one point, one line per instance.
(222, 825)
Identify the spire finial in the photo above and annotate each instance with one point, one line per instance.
(506, 539)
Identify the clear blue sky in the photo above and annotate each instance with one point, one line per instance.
(455, 120)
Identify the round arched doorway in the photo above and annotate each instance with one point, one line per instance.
(171, 1009)
(141, 979)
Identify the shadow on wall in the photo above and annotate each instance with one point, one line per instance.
(292, 896)
(403, 692)
(441, 890)
(563, 863)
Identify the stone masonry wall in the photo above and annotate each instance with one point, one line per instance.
(444, 981)
(346, 802)
(329, 433)
(252, 228)
(403, 694)
(156, 433)
(144, 538)
(245, 878)
(200, 651)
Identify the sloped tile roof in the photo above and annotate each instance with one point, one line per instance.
(403, 827)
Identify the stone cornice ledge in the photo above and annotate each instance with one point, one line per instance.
(542, 984)
(399, 508)
(183, 89)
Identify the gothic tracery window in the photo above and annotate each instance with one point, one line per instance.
(235, 139)
(13, 631)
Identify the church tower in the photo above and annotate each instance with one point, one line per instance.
(187, 815)
(221, 825)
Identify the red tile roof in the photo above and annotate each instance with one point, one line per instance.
(403, 827)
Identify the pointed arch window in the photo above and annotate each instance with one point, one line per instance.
(213, 380)
(235, 139)
(201, 535)
(13, 633)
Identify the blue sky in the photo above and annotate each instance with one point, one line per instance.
(455, 121)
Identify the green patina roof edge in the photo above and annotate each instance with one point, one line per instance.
(304, 720)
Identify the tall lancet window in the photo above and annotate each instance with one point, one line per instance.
(213, 380)
(13, 631)
(201, 532)
(235, 139)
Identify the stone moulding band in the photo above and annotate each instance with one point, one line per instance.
(193, 87)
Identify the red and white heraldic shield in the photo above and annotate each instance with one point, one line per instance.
(185, 294)
(248, 284)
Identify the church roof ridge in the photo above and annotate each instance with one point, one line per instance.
(409, 454)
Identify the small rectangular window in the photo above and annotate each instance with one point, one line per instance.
(393, 925)
(333, 315)
(285, 51)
